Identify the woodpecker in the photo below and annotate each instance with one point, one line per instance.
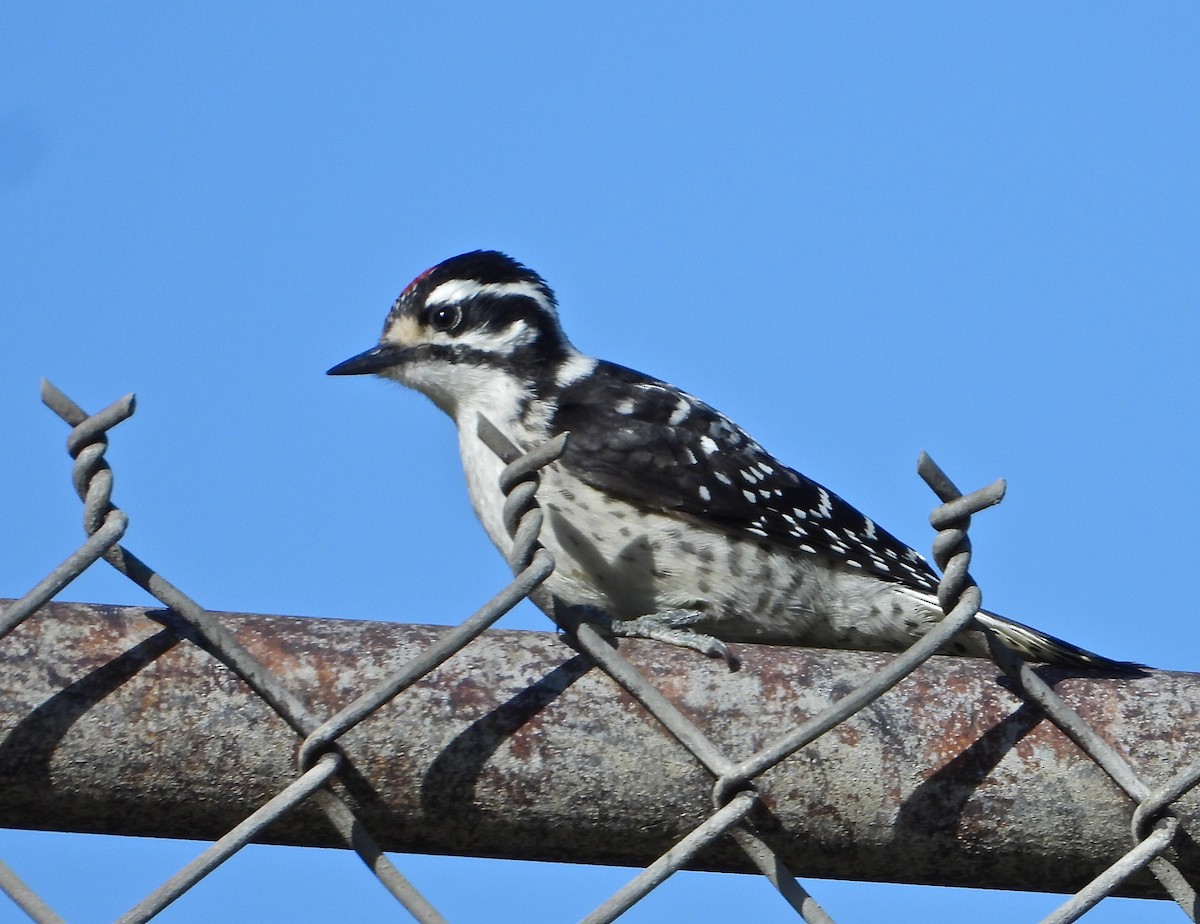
(662, 514)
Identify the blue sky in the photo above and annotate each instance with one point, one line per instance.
(862, 230)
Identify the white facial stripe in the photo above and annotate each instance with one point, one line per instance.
(517, 334)
(405, 331)
(457, 290)
(453, 291)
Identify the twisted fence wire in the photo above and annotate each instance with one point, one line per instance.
(951, 520)
(735, 797)
(318, 760)
(960, 600)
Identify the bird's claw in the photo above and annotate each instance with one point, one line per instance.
(673, 628)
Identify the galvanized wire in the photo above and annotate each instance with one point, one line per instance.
(1075, 727)
(74, 565)
(25, 898)
(318, 758)
(960, 599)
(92, 478)
(452, 642)
(237, 838)
(952, 545)
(632, 681)
(673, 860)
(735, 796)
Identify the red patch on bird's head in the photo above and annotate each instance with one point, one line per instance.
(416, 282)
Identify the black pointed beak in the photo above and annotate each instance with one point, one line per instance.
(372, 360)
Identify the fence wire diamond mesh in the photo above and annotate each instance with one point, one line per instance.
(736, 800)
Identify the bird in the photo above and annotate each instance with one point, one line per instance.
(666, 520)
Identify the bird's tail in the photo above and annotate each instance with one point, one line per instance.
(1038, 646)
(1026, 641)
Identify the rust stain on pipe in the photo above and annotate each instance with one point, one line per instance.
(519, 747)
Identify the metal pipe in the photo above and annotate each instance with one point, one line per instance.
(517, 747)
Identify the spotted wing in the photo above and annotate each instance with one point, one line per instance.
(638, 438)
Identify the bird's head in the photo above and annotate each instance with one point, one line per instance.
(464, 326)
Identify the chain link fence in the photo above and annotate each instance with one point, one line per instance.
(740, 800)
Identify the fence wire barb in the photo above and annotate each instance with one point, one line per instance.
(741, 811)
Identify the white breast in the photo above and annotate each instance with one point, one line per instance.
(482, 468)
(631, 561)
(498, 397)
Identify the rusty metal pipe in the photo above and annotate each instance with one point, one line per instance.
(517, 747)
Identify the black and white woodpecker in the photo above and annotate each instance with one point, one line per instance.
(661, 513)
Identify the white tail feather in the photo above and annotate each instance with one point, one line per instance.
(1030, 643)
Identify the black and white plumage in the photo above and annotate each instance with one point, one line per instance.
(662, 513)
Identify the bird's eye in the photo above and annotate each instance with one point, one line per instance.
(445, 317)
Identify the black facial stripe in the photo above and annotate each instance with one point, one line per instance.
(492, 313)
(456, 353)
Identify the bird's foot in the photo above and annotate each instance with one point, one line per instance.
(674, 628)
